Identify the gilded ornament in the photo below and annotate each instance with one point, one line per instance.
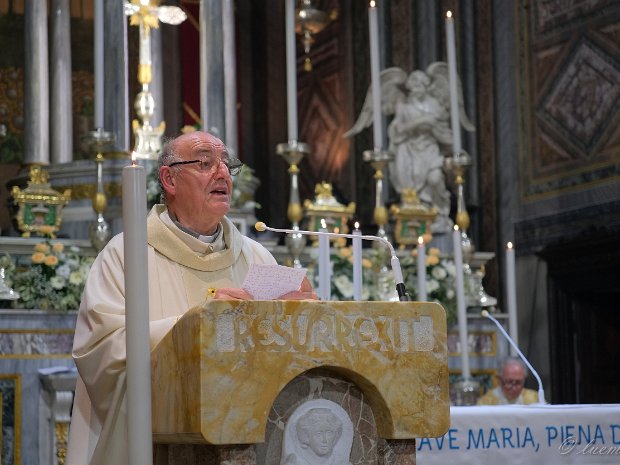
(39, 206)
(413, 218)
(325, 206)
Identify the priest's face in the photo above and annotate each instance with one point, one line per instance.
(512, 380)
(198, 185)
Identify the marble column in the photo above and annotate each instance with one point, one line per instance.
(230, 75)
(157, 83)
(36, 84)
(212, 102)
(115, 86)
(61, 112)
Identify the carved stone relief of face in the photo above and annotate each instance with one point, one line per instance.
(319, 429)
(318, 432)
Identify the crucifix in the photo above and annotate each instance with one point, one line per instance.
(147, 14)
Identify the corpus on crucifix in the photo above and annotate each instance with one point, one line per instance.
(147, 14)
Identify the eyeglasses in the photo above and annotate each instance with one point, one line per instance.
(512, 382)
(210, 164)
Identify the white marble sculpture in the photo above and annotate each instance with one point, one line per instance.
(419, 135)
(319, 432)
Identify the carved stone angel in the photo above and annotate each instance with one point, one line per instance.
(419, 135)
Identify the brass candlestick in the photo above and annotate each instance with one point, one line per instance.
(378, 159)
(147, 14)
(476, 295)
(293, 152)
(100, 232)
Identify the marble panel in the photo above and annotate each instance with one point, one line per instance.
(247, 352)
(318, 386)
(29, 341)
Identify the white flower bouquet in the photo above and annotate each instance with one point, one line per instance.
(440, 283)
(53, 280)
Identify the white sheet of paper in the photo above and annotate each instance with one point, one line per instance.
(268, 282)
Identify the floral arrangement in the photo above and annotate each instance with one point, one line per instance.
(54, 279)
(377, 279)
(440, 282)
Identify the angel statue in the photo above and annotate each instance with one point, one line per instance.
(419, 134)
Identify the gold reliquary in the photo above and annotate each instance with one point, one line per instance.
(39, 206)
(413, 219)
(326, 207)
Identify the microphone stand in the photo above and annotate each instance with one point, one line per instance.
(394, 261)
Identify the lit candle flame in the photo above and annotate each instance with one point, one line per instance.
(420, 240)
(357, 225)
(456, 227)
(372, 3)
(323, 223)
(509, 245)
(449, 14)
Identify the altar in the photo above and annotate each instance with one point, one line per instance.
(527, 434)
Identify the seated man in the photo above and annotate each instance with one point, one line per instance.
(510, 388)
(192, 249)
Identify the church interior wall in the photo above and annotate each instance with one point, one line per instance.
(534, 181)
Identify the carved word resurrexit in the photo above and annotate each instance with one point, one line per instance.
(325, 332)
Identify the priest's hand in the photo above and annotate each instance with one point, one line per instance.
(305, 292)
(232, 293)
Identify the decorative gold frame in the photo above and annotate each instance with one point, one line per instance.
(413, 219)
(39, 206)
(325, 206)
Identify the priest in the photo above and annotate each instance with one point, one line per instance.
(510, 389)
(194, 252)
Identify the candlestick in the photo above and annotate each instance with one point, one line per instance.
(453, 77)
(460, 301)
(145, 45)
(137, 316)
(373, 27)
(98, 63)
(324, 264)
(512, 295)
(357, 263)
(422, 296)
(291, 71)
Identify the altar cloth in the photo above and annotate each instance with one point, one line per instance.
(527, 434)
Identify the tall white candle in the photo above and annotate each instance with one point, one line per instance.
(422, 295)
(373, 27)
(453, 77)
(145, 45)
(324, 264)
(291, 71)
(357, 263)
(98, 63)
(137, 316)
(460, 301)
(511, 287)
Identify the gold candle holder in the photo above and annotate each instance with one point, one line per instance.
(378, 159)
(100, 232)
(293, 152)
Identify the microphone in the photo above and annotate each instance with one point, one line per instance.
(541, 392)
(394, 262)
